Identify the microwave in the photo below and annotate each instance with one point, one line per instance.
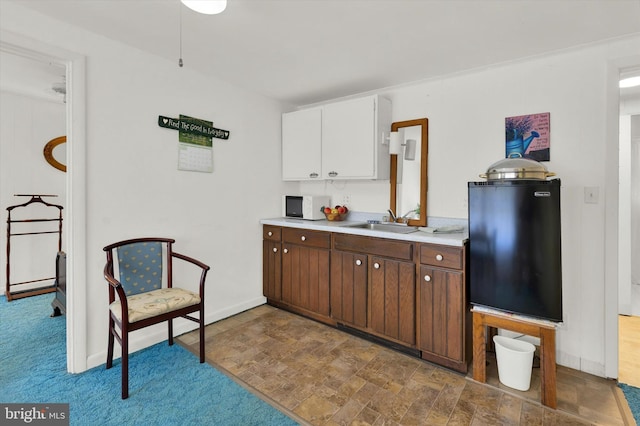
(308, 207)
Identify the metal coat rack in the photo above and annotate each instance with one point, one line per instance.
(22, 289)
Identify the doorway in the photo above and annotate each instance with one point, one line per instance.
(629, 233)
(75, 202)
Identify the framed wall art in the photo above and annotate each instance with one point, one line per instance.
(528, 136)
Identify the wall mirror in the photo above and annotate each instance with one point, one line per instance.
(409, 179)
(55, 153)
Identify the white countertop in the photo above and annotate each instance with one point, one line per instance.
(454, 239)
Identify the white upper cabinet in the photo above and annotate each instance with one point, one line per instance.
(342, 140)
(302, 145)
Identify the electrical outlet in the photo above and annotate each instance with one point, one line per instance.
(591, 194)
(346, 200)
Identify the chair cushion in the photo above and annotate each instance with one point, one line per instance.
(156, 302)
(140, 266)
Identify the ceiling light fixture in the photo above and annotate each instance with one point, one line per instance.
(208, 7)
(630, 82)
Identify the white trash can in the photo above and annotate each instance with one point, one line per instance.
(515, 360)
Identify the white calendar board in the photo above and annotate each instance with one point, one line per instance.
(195, 151)
(195, 158)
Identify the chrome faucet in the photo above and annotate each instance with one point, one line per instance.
(393, 216)
(408, 213)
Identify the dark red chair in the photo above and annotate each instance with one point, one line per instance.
(147, 293)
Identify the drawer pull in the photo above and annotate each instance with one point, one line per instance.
(358, 262)
(275, 249)
(270, 233)
(427, 278)
(303, 238)
(286, 250)
(376, 265)
(439, 257)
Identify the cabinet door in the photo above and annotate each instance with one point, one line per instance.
(349, 288)
(348, 139)
(271, 269)
(305, 277)
(393, 294)
(302, 145)
(441, 312)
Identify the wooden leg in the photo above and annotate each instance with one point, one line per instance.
(479, 349)
(548, 367)
(201, 334)
(110, 344)
(125, 364)
(170, 332)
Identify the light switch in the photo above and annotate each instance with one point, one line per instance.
(591, 194)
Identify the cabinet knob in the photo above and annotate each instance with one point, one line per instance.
(286, 250)
(270, 233)
(438, 257)
(275, 249)
(303, 238)
(376, 265)
(333, 174)
(358, 262)
(313, 175)
(427, 278)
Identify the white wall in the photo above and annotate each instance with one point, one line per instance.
(134, 187)
(26, 125)
(466, 134)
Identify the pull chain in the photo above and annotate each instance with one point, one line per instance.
(180, 63)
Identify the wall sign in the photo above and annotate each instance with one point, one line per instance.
(195, 141)
(193, 126)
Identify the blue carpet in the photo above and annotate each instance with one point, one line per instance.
(632, 395)
(167, 384)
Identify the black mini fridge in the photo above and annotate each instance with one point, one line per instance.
(515, 252)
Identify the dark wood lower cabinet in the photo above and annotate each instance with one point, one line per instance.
(272, 269)
(444, 317)
(393, 299)
(410, 296)
(272, 262)
(349, 288)
(441, 316)
(305, 278)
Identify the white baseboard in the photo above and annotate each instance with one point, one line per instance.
(580, 364)
(151, 335)
(592, 367)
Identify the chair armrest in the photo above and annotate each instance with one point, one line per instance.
(191, 260)
(108, 275)
(205, 268)
(117, 286)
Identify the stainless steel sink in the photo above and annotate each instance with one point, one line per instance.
(386, 227)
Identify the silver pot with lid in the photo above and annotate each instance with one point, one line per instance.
(516, 167)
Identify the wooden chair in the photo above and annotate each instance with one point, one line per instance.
(142, 266)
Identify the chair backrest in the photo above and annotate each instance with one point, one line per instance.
(140, 266)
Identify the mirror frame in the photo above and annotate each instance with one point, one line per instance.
(48, 152)
(424, 167)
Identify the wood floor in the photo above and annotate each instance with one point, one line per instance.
(322, 376)
(629, 352)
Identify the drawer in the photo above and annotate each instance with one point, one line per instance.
(377, 246)
(443, 256)
(307, 237)
(273, 233)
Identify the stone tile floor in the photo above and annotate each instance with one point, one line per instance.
(322, 376)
